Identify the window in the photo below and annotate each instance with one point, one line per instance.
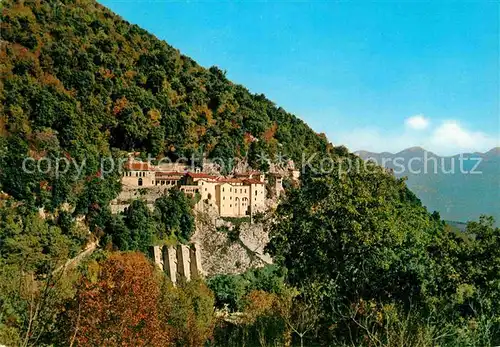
(255, 192)
(222, 189)
(230, 190)
(205, 189)
(139, 182)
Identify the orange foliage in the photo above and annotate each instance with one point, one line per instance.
(205, 113)
(248, 138)
(106, 73)
(259, 303)
(120, 104)
(53, 81)
(269, 133)
(154, 116)
(120, 306)
(201, 130)
(3, 126)
(19, 52)
(130, 74)
(235, 124)
(44, 185)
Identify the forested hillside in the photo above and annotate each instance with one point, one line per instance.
(77, 81)
(358, 260)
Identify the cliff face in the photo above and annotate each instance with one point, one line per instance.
(230, 247)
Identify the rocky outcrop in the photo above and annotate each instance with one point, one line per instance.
(228, 246)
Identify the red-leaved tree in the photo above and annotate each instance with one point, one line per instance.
(119, 305)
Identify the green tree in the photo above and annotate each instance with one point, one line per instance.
(347, 236)
(174, 213)
(33, 285)
(140, 230)
(188, 309)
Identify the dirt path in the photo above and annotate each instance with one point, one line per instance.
(70, 263)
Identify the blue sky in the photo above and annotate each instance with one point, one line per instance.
(375, 76)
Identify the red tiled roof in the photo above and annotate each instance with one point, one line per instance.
(199, 175)
(138, 166)
(229, 180)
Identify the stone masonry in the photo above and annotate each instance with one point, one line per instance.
(180, 262)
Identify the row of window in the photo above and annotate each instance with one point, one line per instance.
(236, 190)
(163, 182)
(231, 198)
(231, 205)
(136, 174)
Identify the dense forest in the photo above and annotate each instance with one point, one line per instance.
(78, 81)
(359, 261)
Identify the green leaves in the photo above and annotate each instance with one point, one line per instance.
(354, 232)
(174, 213)
(362, 235)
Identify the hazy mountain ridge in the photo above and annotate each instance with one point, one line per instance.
(472, 189)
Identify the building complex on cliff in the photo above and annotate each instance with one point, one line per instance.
(240, 195)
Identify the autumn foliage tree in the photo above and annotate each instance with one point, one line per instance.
(117, 305)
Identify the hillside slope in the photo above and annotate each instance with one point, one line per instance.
(78, 81)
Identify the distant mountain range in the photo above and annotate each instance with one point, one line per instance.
(460, 187)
